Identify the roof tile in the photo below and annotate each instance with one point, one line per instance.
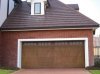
(58, 15)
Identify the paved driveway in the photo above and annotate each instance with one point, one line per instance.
(52, 71)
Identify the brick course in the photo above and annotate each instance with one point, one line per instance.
(0, 48)
(10, 39)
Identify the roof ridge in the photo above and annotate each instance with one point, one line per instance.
(77, 12)
(74, 6)
(55, 3)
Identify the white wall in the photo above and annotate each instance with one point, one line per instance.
(11, 5)
(0, 3)
(28, 0)
(23, 0)
(3, 10)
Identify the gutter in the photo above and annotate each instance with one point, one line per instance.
(39, 29)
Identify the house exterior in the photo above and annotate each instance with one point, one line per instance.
(96, 47)
(47, 34)
(5, 9)
(0, 48)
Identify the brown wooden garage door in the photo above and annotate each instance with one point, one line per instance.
(68, 54)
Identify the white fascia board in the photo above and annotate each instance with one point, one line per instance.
(49, 29)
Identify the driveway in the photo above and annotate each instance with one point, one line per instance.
(52, 71)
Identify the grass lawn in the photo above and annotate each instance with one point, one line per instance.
(95, 71)
(3, 71)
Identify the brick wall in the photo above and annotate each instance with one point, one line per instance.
(0, 48)
(10, 42)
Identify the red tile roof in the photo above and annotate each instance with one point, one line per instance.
(58, 15)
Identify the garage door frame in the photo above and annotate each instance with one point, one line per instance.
(19, 50)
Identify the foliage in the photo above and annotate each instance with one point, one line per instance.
(95, 71)
(2, 71)
(97, 62)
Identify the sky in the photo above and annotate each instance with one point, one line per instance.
(90, 8)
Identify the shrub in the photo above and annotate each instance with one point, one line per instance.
(97, 62)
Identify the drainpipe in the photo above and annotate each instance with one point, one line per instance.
(7, 8)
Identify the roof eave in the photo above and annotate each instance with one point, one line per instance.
(46, 28)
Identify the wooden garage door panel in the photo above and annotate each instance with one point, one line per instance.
(45, 56)
(37, 56)
(53, 55)
(28, 57)
(71, 59)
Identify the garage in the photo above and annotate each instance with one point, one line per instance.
(53, 54)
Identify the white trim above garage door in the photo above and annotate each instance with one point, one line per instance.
(19, 52)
